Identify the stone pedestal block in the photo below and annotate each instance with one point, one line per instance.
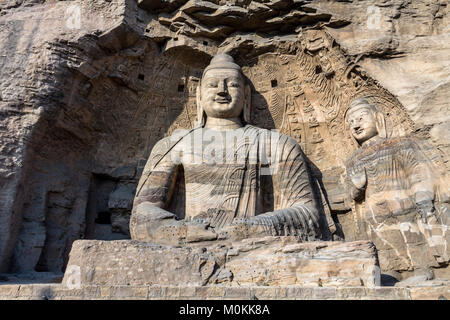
(268, 261)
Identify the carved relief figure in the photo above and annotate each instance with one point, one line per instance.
(397, 191)
(240, 181)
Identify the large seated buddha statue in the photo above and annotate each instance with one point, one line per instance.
(246, 216)
(240, 181)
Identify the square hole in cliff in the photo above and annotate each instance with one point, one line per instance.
(103, 217)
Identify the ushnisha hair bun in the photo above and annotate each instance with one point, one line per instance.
(222, 61)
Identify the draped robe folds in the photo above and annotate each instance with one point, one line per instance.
(257, 176)
(400, 176)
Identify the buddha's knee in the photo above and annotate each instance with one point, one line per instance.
(146, 219)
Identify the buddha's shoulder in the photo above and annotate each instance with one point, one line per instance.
(390, 146)
(398, 144)
(162, 144)
(172, 140)
(162, 147)
(407, 142)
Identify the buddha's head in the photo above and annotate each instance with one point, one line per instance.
(364, 120)
(223, 91)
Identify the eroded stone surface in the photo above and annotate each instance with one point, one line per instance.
(96, 292)
(81, 107)
(269, 261)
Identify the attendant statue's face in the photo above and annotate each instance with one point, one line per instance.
(222, 93)
(362, 121)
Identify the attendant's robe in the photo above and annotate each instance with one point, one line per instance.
(400, 177)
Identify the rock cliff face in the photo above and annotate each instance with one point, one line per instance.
(88, 87)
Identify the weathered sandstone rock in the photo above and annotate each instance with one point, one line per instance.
(271, 261)
(82, 105)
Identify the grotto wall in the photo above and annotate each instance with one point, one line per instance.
(88, 87)
(44, 179)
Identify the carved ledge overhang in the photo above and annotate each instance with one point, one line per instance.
(217, 20)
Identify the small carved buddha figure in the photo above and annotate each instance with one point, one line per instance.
(240, 181)
(397, 186)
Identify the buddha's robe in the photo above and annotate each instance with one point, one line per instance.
(260, 177)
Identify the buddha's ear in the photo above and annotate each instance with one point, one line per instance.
(381, 125)
(247, 112)
(200, 117)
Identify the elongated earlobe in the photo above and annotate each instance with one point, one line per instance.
(247, 112)
(381, 125)
(200, 112)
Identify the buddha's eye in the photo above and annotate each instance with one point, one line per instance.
(233, 84)
(211, 84)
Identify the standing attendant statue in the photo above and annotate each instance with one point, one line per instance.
(403, 204)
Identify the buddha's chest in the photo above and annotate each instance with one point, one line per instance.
(385, 172)
(219, 175)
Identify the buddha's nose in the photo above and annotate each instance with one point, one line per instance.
(222, 89)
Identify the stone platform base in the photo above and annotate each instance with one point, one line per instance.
(263, 268)
(95, 292)
(268, 261)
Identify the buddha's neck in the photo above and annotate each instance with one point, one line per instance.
(371, 141)
(223, 124)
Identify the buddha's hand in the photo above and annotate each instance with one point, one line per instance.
(240, 221)
(148, 221)
(236, 230)
(200, 230)
(426, 211)
(358, 176)
(243, 228)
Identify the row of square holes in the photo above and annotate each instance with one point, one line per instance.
(176, 38)
(181, 86)
(205, 43)
(273, 83)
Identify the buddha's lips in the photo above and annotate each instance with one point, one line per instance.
(221, 100)
(359, 131)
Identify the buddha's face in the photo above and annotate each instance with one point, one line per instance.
(363, 123)
(222, 93)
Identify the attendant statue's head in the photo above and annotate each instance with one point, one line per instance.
(365, 122)
(223, 93)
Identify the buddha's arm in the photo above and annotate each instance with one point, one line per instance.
(419, 175)
(295, 210)
(153, 194)
(150, 221)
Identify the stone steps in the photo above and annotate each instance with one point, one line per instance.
(216, 292)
